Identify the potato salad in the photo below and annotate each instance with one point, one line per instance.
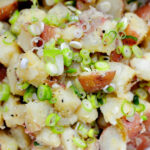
(74, 74)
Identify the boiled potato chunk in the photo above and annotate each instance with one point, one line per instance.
(124, 75)
(85, 116)
(7, 142)
(111, 139)
(47, 138)
(36, 113)
(141, 66)
(15, 114)
(67, 101)
(134, 27)
(12, 78)
(67, 139)
(7, 51)
(22, 139)
(111, 115)
(34, 72)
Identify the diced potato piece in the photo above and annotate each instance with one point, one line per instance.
(36, 113)
(15, 114)
(7, 142)
(141, 66)
(59, 10)
(67, 101)
(111, 115)
(111, 139)
(7, 51)
(24, 39)
(114, 8)
(95, 81)
(85, 116)
(7, 7)
(12, 78)
(35, 72)
(47, 138)
(124, 74)
(134, 27)
(68, 33)
(49, 2)
(27, 15)
(94, 146)
(40, 148)
(22, 139)
(67, 139)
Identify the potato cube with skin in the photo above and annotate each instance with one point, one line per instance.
(67, 139)
(7, 142)
(22, 139)
(33, 71)
(124, 75)
(15, 114)
(12, 77)
(141, 66)
(85, 116)
(7, 51)
(134, 27)
(7, 7)
(46, 137)
(67, 101)
(36, 114)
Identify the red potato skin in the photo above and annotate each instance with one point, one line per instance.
(130, 32)
(115, 57)
(48, 33)
(6, 11)
(144, 12)
(95, 82)
(2, 72)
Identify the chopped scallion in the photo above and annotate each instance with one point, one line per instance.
(4, 92)
(137, 51)
(79, 142)
(102, 65)
(87, 105)
(14, 17)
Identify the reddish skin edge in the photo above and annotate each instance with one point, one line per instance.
(6, 11)
(115, 57)
(144, 12)
(2, 72)
(48, 33)
(95, 82)
(129, 41)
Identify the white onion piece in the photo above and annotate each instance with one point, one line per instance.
(64, 45)
(78, 33)
(69, 83)
(36, 28)
(24, 63)
(75, 44)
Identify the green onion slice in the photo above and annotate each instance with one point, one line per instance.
(77, 57)
(126, 51)
(44, 92)
(102, 65)
(93, 100)
(87, 105)
(127, 109)
(71, 70)
(52, 120)
(79, 142)
(136, 99)
(137, 51)
(8, 38)
(144, 118)
(57, 129)
(108, 38)
(4, 92)
(130, 37)
(140, 108)
(82, 130)
(14, 17)
(141, 93)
